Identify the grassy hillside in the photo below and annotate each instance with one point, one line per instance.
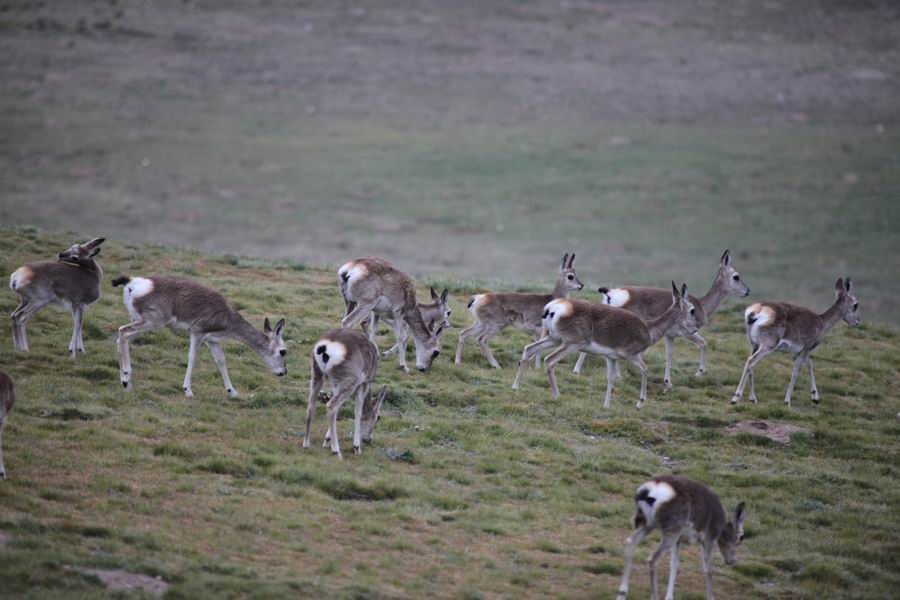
(473, 490)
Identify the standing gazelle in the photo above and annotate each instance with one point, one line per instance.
(437, 311)
(350, 361)
(72, 280)
(372, 284)
(613, 333)
(495, 312)
(783, 327)
(683, 510)
(650, 302)
(182, 304)
(7, 399)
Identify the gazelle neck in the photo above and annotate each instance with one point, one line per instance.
(832, 316)
(240, 329)
(560, 290)
(714, 297)
(658, 326)
(417, 324)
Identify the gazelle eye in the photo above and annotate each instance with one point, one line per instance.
(282, 352)
(736, 277)
(693, 310)
(855, 306)
(570, 277)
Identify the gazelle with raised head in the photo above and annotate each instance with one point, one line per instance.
(650, 302)
(613, 333)
(495, 312)
(72, 280)
(683, 510)
(437, 311)
(185, 305)
(349, 361)
(7, 399)
(372, 284)
(783, 327)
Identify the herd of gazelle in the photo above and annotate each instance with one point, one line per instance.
(622, 327)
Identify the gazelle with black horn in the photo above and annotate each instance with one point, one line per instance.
(613, 333)
(650, 302)
(783, 327)
(185, 305)
(494, 312)
(372, 284)
(349, 361)
(72, 280)
(683, 510)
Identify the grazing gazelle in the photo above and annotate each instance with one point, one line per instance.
(684, 510)
(182, 304)
(372, 284)
(72, 280)
(438, 311)
(783, 327)
(7, 399)
(613, 333)
(349, 360)
(495, 312)
(650, 302)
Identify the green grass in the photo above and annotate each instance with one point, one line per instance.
(473, 490)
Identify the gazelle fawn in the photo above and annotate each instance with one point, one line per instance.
(613, 333)
(684, 510)
(349, 361)
(72, 280)
(437, 311)
(7, 399)
(372, 284)
(495, 312)
(185, 305)
(650, 302)
(783, 327)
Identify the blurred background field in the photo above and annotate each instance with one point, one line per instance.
(476, 140)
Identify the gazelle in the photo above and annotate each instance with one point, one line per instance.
(438, 311)
(349, 360)
(495, 312)
(372, 284)
(182, 304)
(72, 280)
(7, 399)
(783, 327)
(613, 333)
(650, 302)
(684, 510)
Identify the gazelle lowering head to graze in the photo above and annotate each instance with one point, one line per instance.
(613, 333)
(72, 280)
(437, 311)
(7, 399)
(372, 284)
(182, 304)
(783, 327)
(684, 510)
(650, 302)
(349, 360)
(495, 312)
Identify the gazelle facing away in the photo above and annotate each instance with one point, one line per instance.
(182, 304)
(495, 312)
(349, 360)
(372, 284)
(783, 327)
(613, 333)
(684, 510)
(7, 399)
(72, 280)
(438, 311)
(649, 302)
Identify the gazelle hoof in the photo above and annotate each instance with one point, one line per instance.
(700, 373)
(126, 385)
(188, 393)
(357, 450)
(639, 405)
(667, 384)
(232, 393)
(338, 454)
(735, 399)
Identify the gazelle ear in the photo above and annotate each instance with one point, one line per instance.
(440, 329)
(565, 258)
(434, 296)
(380, 399)
(684, 290)
(848, 285)
(266, 327)
(739, 515)
(839, 286)
(444, 296)
(726, 258)
(675, 294)
(93, 243)
(279, 328)
(571, 260)
(94, 252)
(431, 326)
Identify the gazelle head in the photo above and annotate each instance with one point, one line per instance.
(440, 311)
(732, 536)
(371, 413)
(276, 349)
(843, 293)
(430, 348)
(567, 275)
(81, 255)
(729, 277)
(687, 317)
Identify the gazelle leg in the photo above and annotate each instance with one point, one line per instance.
(126, 332)
(667, 379)
(76, 322)
(463, 336)
(527, 353)
(2, 468)
(700, 343)
(553, 359)
(610, 375)
(753, 360)
(673, 571)
(219, 357)
(334, 406)
(537, 357)
(21, 317)
(192, 360)
(357, 418)
(355, 316)
(638, 361)
(373, 326)
(579, 364)
(813, 391)
(667, 542)
(316, 378)
(401, 332)
(631, 545)
(483, 340)
(750, 379)
(799, 360)
(708, 568)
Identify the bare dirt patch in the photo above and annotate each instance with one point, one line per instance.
(123, 580)
(777, 432)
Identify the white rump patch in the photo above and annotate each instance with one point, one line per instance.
(763, 315)
(478, 300)
(660, 492)
(336, 353)
(138, 287)
(617, 297)
(556, 309)
(350, 273)
(21, 276)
